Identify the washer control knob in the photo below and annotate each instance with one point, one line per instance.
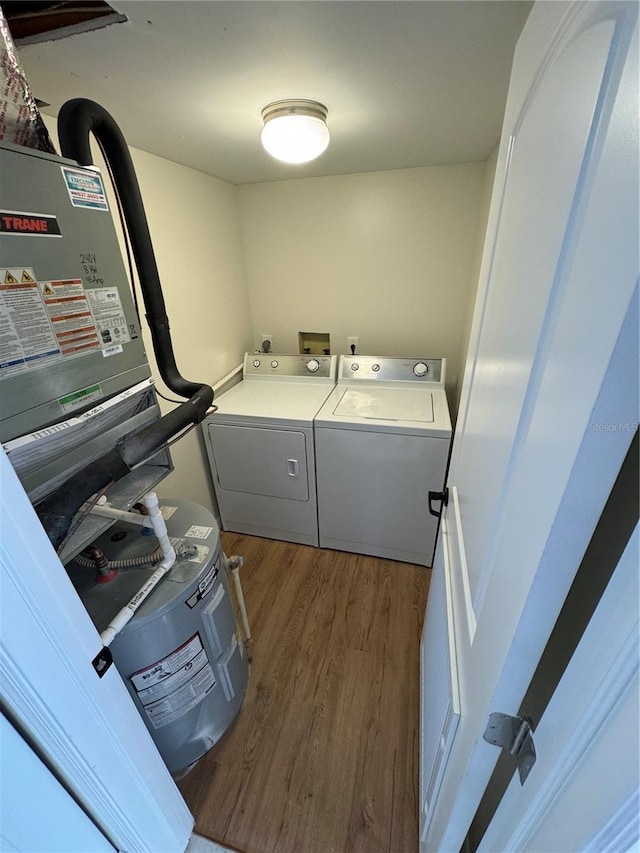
(274, 363)
(313, 365)
(420, 369)
(375, 367)
(355, 366)
(256, 362)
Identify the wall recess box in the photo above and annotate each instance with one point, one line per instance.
(314, 343)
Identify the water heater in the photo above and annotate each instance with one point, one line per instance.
(182, 656)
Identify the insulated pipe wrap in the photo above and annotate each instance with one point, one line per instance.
(76, 120)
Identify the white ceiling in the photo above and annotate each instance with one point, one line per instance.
(406, 83)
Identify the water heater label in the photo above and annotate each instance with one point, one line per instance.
(198, 531)
(171, 687)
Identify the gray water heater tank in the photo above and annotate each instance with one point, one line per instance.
(182, 656)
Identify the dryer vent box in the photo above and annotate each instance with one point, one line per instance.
(314, 343)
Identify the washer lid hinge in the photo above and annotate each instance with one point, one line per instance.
(514, 734)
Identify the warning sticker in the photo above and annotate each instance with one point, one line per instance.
(71, 317)
(27, 339)
(109, 316)
(171, 687)
(28, 224)
(205, 586)
(197, 531)
(85, 188)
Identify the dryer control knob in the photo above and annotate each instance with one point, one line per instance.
(313, 365)
(274, 363)
(256, 363)
(375, 367)
(355, 366)
(420, 369)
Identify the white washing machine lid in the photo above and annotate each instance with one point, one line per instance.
(420, 411)
(278, 402)
(388, 404)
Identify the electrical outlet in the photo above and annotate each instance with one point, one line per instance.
(266, 343)
(352, 346)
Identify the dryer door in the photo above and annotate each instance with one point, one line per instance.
(259, 461)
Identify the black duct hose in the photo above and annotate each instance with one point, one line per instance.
(56, 512)
(77, 119)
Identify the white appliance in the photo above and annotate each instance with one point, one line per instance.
(382, 443)
(261, 450)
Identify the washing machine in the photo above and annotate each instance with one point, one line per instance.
(382, 443)
(261, 449)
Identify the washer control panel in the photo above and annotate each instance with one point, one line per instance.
(391, 369)
(291, 366)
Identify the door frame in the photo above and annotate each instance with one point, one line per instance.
(85, 728)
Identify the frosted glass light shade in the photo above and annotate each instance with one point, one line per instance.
(295, 131)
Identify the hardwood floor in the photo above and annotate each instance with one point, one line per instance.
(323, 756)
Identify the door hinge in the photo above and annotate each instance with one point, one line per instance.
(514, 734)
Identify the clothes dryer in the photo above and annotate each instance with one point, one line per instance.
(261, 449)
(382, 443)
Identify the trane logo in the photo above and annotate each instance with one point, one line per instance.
(15, 222)
(20, 223)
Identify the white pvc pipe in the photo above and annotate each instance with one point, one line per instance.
(235, 563)
(106, 511)
(150, 500)
(168, 559)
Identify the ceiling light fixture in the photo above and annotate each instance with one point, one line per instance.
(295, 131)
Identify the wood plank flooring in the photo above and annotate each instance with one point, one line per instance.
(323, 756)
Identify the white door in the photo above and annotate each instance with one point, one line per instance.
(589, 727)
(86, 728)
(38, 815)
(549, 402)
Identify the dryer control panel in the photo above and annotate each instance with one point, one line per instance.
(391, 369)
(260, 364)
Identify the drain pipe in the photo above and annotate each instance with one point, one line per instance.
(124, 616)
(104, 510)
(234, 564)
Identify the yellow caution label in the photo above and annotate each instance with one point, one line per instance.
(27, 278)
(9, 278)
(48, 290)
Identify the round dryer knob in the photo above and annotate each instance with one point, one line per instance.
(420, 369)
(256, 363)
(375, 367)
(274, 363)
(313, 365)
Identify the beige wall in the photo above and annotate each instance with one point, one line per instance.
(385, 256)
(194, 225)
(195, 230)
